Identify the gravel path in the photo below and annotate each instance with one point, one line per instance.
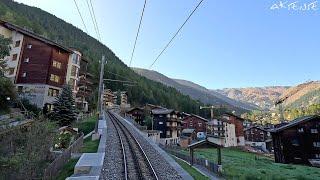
(113, 162)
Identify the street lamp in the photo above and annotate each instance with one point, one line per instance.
(8, 98)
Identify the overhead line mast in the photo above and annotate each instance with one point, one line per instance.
(135, 42)
(166, 46)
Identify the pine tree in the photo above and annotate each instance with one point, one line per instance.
(64, 112)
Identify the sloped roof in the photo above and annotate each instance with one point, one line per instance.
(187, 131)
(296, 122)
(33, 35)
(230, 114)
(204, 143)
(199, 117)
(162, 111)
(134, 108)
(257, 127)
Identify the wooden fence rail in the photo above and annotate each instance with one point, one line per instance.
(211, 166)
(53, 169)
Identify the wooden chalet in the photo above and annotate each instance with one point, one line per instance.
(259, 137)
(168, 122)
(298, 142)
(137, 114)
(195, 122)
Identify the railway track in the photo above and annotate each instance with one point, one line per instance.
(136, 164)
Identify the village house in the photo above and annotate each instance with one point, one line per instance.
(298, 142)
(195, 122)
(221, 132)
(31, 53)
(186, 137)
(238, 123)
(109, 98)
(85, 86)
(137, 114)
(168, 122)
(258, 137)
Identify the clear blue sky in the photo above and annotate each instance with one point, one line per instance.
(229, 43)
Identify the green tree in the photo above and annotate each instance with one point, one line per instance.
(4, 51)
(25, 151)
(64, 112)
(7, 93)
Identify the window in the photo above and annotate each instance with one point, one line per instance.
(11, 71)
(317, 156)
(56, 64)
(54, 78)
(199, 124)
(24, 74)
(314, 131)
(160, 122)
(75, 58)
(26, 60)
(53, 92)
(316, 144)
(295, 142)
(17, 44)
(29, 46)
(14, 57)
(300, 130)
(20, 89)
(191, 124)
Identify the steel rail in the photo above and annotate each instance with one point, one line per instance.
(137, 142)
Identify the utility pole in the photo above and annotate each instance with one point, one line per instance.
(99, 103)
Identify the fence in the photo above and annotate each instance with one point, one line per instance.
(211, 166)
(53, 169)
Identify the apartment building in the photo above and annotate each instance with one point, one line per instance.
(222, 132)
(168, 122)
(39, 67)
(239, 128)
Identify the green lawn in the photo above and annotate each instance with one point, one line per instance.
(90, 146)
(67, 169)
(193, 172)
(238, 164)
(87, 125)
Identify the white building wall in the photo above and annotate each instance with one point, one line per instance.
(37, 94)
(230, 135)
(14, 36)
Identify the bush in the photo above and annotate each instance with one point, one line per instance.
(25, 151)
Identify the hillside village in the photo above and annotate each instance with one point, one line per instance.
(61, 118)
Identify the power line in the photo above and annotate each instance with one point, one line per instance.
(118, 75)
(135, 42)
(85, 27)
(91, 15)
(95, 20)
(176, 34)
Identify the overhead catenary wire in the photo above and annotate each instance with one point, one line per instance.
(93, 21)
(135, 42)
(118, 75)
(167, 45)
(85, 27)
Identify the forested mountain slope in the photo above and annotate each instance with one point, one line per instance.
(48, 25)
(195, 91)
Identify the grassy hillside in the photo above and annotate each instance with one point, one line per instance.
(58, 30)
